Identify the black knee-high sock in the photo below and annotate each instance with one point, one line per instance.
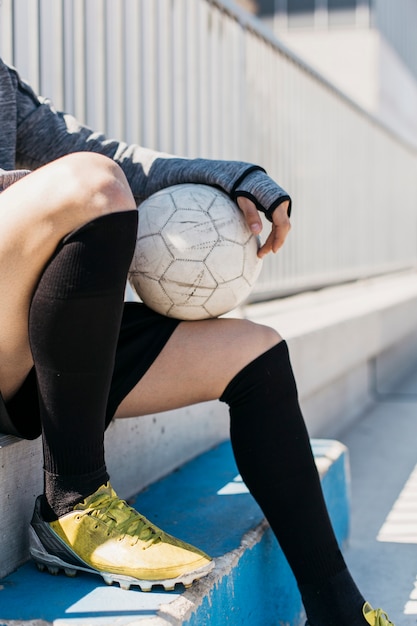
(273, 454)
(74, 324)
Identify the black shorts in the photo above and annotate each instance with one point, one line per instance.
(143, 334)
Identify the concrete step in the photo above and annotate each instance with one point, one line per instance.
(344, 342)
(139, 451)
(206, 503)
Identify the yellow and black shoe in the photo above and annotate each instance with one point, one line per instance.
(104, 535)
(375, 617)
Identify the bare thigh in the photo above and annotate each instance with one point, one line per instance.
(35, 214)
(197, 363)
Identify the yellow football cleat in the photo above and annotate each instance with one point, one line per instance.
(104, 535)
(375, 617)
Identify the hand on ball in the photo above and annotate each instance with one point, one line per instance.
(280, 224)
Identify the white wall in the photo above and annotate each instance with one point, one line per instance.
(363, 65)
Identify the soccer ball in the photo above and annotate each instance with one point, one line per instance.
(195, 256)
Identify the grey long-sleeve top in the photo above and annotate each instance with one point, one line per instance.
(33, 133)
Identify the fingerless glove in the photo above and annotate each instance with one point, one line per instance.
(236, 178)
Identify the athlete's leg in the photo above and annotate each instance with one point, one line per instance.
(67, 237)
(65, 270)
(247, 366)
(205, 356)
(74, 324)
(35, 214)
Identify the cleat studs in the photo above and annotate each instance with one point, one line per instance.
(188, 585)
(124, 585)
(40, 566)
(145, 588)
(107, 579)
(53, 570)
(172, 588)
(71, 573)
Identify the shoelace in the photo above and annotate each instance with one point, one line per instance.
(381, 618)
(115, 512)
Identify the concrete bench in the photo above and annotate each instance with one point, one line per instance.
(346, 343)
(206, 503)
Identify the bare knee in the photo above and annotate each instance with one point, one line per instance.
(55, 200)
(239, 342)
(93, 185)
(69, 192)
(259, 338)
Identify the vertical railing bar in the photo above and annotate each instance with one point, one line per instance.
(215, 85)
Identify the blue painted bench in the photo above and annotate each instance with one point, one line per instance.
(205, 503)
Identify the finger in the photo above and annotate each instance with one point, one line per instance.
(283, 207)
(251, 214)
(275, 239)
(281, 226)
(279, 235)
(267, 246)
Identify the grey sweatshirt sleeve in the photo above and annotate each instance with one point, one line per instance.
(9, 177)
(45, 134)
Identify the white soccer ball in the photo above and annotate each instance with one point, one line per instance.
(195, 256)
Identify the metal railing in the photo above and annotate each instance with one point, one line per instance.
(202, 78)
